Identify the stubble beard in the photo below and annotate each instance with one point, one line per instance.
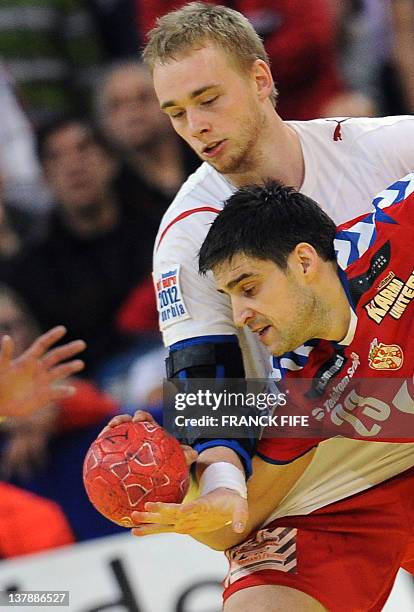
(242, 161)
(301, 326)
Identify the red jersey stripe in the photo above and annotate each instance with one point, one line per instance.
(183, 215)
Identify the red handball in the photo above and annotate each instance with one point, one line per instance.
(131, 464)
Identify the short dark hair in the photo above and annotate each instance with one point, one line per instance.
(267, 222)
(62, 122)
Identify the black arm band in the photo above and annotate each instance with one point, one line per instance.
(202, 360)
(211, 360)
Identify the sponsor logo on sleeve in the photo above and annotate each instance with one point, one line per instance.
(170, 301)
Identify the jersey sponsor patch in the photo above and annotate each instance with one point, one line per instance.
(326, 372)
(336, 392)
(170, 301)
(269, 549)
(392, 299)
(385, 356)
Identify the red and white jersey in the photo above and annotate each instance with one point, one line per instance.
(347, 161)
(346, 164)
(362, 387)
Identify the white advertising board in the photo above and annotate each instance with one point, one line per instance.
(165, 573)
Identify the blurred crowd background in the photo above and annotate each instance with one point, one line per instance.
(88, 165)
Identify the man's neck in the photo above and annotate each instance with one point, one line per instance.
(334, 307)
(279, 156)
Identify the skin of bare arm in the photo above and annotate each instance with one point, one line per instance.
(221, 518)
(267, 486)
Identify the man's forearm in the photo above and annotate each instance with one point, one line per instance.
(266, 488)
(214, 455)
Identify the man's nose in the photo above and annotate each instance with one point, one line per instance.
(197, 122)
(241, 312)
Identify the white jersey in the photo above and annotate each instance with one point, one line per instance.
(347, 162)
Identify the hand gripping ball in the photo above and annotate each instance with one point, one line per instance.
(131, 464)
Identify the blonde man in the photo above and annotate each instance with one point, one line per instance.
(212, 78)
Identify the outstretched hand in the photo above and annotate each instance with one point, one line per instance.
(209, 512)
(33, 380)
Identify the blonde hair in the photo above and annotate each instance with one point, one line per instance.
(196, 23)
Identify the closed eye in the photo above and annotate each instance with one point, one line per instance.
(248, 291)
(174, 114)
(209, 101)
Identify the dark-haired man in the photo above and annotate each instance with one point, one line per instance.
(330, 519)
(94, 251)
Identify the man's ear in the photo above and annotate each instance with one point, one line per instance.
(263, 78)
(304, 261)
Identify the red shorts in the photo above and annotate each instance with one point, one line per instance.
(345, 555)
